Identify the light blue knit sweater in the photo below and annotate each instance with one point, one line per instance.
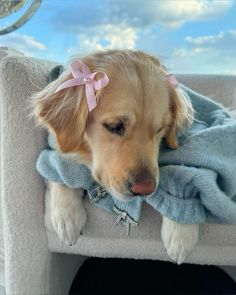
(197, 180)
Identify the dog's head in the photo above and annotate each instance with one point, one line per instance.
(119, 140)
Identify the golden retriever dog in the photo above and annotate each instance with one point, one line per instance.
(119, 139)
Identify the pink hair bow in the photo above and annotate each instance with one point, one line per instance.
(83, 76)
(171, 78)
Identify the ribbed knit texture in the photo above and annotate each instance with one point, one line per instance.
(197, 180)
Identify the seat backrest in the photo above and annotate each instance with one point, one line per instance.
(220, 88)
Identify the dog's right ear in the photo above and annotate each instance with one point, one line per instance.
(64, 113)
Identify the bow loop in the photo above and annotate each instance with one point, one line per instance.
(101, 83)
(75, 67)
(83, 76)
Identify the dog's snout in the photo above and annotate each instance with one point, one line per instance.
(146, 187)
(143, 184)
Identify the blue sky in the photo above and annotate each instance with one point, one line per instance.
(190, 36)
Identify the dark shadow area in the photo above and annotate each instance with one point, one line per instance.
(127, 276)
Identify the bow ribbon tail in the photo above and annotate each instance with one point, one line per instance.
(91, 100)
(69, 83)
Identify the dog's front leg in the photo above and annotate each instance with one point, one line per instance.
(179, 239)
(68, 215)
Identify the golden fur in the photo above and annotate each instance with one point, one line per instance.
(138, 95)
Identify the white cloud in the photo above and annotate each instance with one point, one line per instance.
(209, 53)
(182, 52)
(105, 37)
(203, 40)
(23, 43)
(122, 37)
(174, 14)
(224, 40)
(139, 13)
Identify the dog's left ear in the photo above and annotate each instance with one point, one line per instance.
(181, 115)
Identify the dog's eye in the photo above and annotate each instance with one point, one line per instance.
(116, 128)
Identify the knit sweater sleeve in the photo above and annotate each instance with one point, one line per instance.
(57, 167)
(198, 180)
(192, 195)
(177, 197)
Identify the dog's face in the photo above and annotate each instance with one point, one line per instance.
(125, 130)
(119, 140)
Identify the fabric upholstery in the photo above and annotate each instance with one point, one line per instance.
(28, 263)
(4, 52)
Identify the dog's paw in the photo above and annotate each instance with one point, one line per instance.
(68, 215)
(179, 239)
(68, 222)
